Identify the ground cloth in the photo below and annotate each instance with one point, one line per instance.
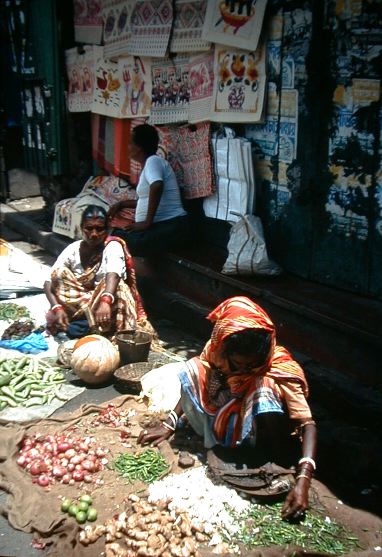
(49, 523)
(62, 531)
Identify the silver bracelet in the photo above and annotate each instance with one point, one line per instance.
(307, 460)
(173, 417)
(168, 426)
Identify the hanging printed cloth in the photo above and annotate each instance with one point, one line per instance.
(188, 26)
(170, 90)
(239, 88)
(116, 15)
(151, 24)
(236, 24)
(201, 68)
(187, 149)
(88, 21)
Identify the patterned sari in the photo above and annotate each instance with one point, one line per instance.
(250, 393)
(77, 293)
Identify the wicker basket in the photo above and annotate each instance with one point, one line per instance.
(129, 376)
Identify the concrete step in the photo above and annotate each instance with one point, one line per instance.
(339, 394)
(348, 341)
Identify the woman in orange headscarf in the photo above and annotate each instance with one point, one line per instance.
(240, 377)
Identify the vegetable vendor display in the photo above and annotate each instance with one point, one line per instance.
(29, 382)
(59, 458)
(80, 509)
(146, 466)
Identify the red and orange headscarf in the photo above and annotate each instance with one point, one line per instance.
(232, 316)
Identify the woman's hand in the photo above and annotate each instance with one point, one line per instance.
(61, 319)
(102, 314)
(297, 500)
(138, 226)
(113, 210)
(154, 435)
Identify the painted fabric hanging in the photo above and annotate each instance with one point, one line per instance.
(151, 23)
(111, 146)
(116, 15)
(88, 21)
(239, 88)
(187, 148)
(188, 25)
(80, 70)
(234, 23)
(201, 86)
(170, 90)
(107, 89)
(135, 75)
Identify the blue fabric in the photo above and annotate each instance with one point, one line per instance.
(78, 329)
(31, 344)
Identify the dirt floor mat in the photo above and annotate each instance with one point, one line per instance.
(37, 510)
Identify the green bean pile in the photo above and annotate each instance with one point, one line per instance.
(146, 466)
(262, 525)
(28, 382)
(12, 312)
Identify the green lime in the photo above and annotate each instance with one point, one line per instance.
(83, 506)
(73, 510)
(65, 505)
(81, 517)
(87, 499)
(92, 514)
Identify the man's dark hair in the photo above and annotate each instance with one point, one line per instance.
(249, 342)
(146, 137)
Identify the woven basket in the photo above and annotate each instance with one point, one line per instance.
(129, 376)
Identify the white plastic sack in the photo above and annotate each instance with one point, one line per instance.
(162, 387)
(235, 183)
(247, 251)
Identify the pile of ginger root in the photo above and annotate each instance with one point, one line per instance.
(147, 530)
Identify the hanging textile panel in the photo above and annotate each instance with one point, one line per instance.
(239, 88)
(107, 88)
(188, 25)
(116, 15)
(80, 69)
(111, 139)
(135, 75)
(88, 21)
(235, 24)
(187, 149)
(151, 24)
(170, 94)
(201, 86)
(98, 125)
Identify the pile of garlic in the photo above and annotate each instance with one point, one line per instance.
(204, 501)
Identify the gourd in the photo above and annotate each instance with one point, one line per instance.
(94, 359)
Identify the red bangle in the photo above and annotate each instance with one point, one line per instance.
(107, 298)
(56, 308)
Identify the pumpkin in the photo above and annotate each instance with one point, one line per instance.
(94, 359)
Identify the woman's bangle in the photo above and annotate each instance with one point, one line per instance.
(168, 426)
(56, 307)
(173, 417)
(109, 296)
(303, 476)
(307, 460)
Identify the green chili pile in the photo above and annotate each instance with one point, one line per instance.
(146, 466)
(29, 382)
(262, 525)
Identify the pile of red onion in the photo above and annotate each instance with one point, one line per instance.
(58, 458)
